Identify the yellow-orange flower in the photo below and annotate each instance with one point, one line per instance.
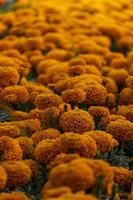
(105, 142)
(18, 173)
(3, 177)
(77, 121)
(45, 134)
(15, 94)
(43, 101)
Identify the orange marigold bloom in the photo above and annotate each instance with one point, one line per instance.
(50, 117)
(126, 96)
(110, 85)
(129, 82)
(26, 145)
(119, 76)
(63, 158)
(54, 192)
(43, 101)
(73, 96)
(43, 65)
(33, 165)
(93, 59)
(18, 173)
(9, 130)
(19, 115)
(74, 142)
(76, 61)
(98, 111)
(122, 130)
(126, 111)
(28, 127)
(15, 94)
(13, 196)
(99, 168)
(59, 54)
(36, 114)
(3, 177)
(77, 121)
(121, 175)
(77, 176)
(119, 63)
(104, 141)
(49, 133)
(46, 151)
(90, 69)
(106, 120)
(76, 70)
(10, 148)
(8, 76)
(96, 95)
(35, 43)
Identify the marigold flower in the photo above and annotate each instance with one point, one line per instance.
(106, 120)
(10, 148)
(76, 176)
(35, 60)
(126, 111)
(76, 61)
(113, 31)
(42, 79)
(28, 126)
(8, 76)
(9, 130)
(50, 117)
(77, 121)
(43, 101)
(44, 65)
(99, 111)
(35, 42)
(73, 96)
(126, 96)
(55, 192)
(91, 69)
(121, 175)
(74, 142)
(33, 165)
(96, 95)
(104, 141)
(63, 158)
(3, 177)
(110, 85)
(5, 45)
(15, 94)
(49, 133)
(122, 130)
(46, 151)
(76, 70)
(18, 173)
(19, 115)
(129, 82)
(99, 168)
(119, 76)
(59, 54)
(93, 59)
(119, 63)
(26, 145)
(36, 114)
(13, 196)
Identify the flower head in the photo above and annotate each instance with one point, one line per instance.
(77, 121)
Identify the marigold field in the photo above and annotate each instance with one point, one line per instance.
(66, 100)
